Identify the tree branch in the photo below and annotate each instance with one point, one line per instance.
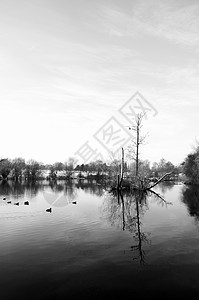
(159, 180)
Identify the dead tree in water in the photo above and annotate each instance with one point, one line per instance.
(137, 141)
(141, 183)
(120, 178)
(121, 175)
(134, 149)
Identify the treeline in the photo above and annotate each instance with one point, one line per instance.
(191, 166)
(16, 168)
(145, 168)
(19, 169)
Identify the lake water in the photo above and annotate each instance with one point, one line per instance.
(97, 245)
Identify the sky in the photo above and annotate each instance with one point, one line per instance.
(68, 67)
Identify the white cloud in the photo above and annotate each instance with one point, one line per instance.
(168, 19)
(71, 71)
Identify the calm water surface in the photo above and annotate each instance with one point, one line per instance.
(97, 245)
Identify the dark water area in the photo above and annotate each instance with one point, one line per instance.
(97, 245)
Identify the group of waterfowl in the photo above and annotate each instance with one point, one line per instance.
(15, 203)
(27, 203)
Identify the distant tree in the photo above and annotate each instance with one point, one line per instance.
(100, 166)
(18, 165)
(144, 168)
(165, 166)
(5, 168)
(169, 167)
(32, 169)
(154, 169)
(114, 167)
(179, 168)
(158, 169)
(69, 166)
(161, 165)
(47, 166)
(191, 167)
(92, 167)
(58, 166)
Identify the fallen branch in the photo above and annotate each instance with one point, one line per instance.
(159, 180)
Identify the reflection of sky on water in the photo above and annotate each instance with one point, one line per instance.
(98, 233)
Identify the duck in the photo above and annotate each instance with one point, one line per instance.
(74, 202)
(4, 198)
(49, 210)
(8, 202)
(26, 203)
(17, 203)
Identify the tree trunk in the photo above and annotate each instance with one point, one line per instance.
(137, 151)
(122, 168)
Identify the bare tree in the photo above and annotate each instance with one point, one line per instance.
(18, 165)
(32, 169)
(141, 182)
(137, 141)
(5, 168)
(69, 166)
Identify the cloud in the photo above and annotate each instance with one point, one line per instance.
(177, 23)
(74, 68)
(167, 20)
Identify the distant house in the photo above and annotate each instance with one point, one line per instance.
(61, 174)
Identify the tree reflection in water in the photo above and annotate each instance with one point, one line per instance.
(92, 187)
(127, 212)
(20, 190)
(190, 196)
(30, 189)
(68, 189)
(165, 186)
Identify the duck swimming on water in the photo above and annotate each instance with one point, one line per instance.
(49, 210)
